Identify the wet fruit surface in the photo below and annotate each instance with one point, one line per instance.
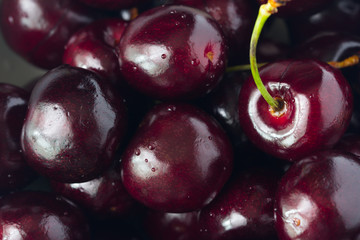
(320, 195)
(41, 216)
(243, 210)
(173, 52)
(39, 29)
(178, 160)
(93, 48)
(73, 126)
(104, 196)
(316, 112)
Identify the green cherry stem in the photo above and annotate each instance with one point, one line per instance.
(265, 12)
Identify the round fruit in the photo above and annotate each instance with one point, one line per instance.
(93, 48)
(179, 159)
(104, 196)
(173, 52)
(316, 107)
(41, 216)
(38, 30)
(74, 124)
(319, 196)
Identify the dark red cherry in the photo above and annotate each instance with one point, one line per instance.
(41, 216)
(73, 126)
(236, 19)
(93, 48)
(14, 171)
(104, 196)
(38, 30)
(222, 103)
(316, 108)
(175, 226)
(173, 52)
(113, 4)
(243, 210)
(319, 198)
(335, 46)
(178, 160)
(337, 16)
(298, 7)
(328, 46)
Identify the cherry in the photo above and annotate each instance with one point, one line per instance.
(319, 196)
(104, 196)
(41, 216)
(14, 171)
(73, 126)
(173, 52)
(296, 7)
(328, 46)
(342, 16)
(93, 48)
(178, 160)
(234, 17)
(113, 4)
(164, 226)
(316, 106)
(223, 105)
(38, 30)
(243, 210)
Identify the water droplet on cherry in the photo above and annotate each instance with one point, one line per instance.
(137, 152)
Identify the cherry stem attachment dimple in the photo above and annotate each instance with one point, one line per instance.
(265, 11)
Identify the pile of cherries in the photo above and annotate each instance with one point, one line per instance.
(145, 128)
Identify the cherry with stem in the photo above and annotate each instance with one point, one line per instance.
(281, 111)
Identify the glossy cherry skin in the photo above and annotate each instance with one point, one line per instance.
(236, 19)
(328, 46)
(14, 171)
(298, 7)
(73, 126)
(41, 216)
(178, 160)
(243, 210)
(104, 196)
(317, 108)
(113, 4)
(38, 30)
(93, 48)
(338, 16)
(223, 105)
(319, 196)
(173, 52)
(175, 226)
